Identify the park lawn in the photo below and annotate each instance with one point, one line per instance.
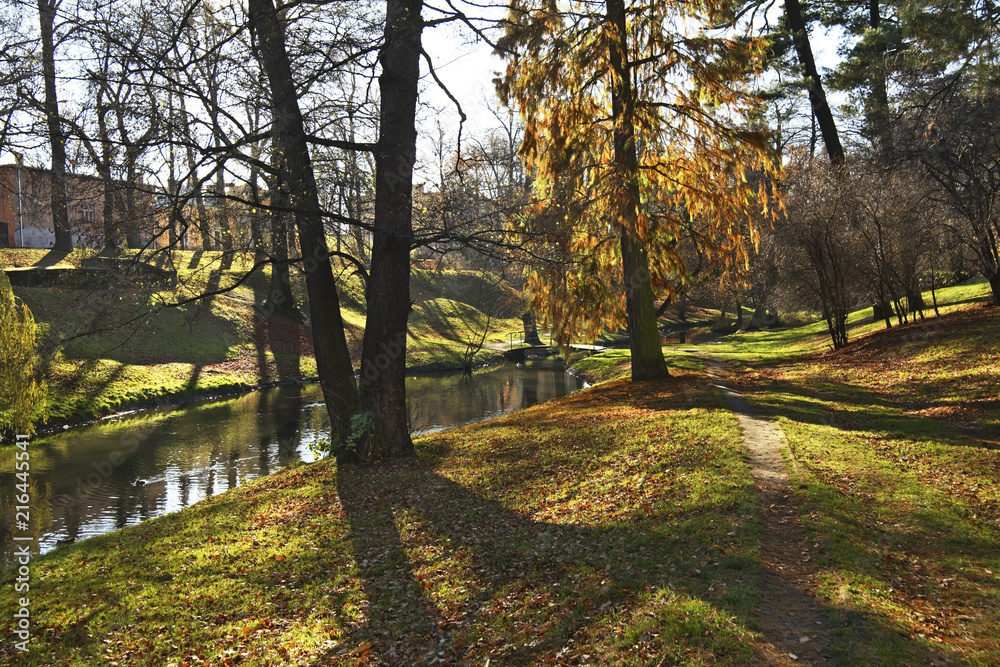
(898, 449)
(617, 363)
(784, 344)
(896, 442)
(896, 445)
(619, 524)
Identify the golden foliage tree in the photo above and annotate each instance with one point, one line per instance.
(22, 397)
(639, 133)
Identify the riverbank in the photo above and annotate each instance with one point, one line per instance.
(116, 348)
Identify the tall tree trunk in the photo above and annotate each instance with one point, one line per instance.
(817, 96)
(383, 357)
(222, 203)
(878, 105)
(530, 324)
(173, 186)
(131, 206)
(57, 138)
(194, 184)
(111, 232)
(644, 337)
(256, 215)
(333, 360)
(280, 300)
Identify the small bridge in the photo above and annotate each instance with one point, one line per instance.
(518, 349)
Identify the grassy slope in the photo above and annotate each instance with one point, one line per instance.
(618, 523)
(215, 345)
(897, 448)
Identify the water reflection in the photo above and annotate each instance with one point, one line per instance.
(95, 479)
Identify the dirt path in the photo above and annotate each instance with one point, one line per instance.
(792, 621)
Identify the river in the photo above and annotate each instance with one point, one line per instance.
(95, 479)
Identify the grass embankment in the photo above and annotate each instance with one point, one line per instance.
(615, 526)
(897, 445)
(104, 352)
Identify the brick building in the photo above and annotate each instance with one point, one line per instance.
(26, 208)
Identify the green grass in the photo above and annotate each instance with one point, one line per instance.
(786, 343)
(897, 447)
(897, 444)
(617, 523)
(103, 353)
(616, 364)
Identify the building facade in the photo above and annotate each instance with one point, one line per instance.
(26, 208)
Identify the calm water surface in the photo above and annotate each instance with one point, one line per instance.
(95, 479)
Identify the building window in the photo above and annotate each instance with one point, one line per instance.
(87, 211)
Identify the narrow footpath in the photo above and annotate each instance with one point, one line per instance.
(792, 620)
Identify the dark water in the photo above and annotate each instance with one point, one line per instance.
(95, 479)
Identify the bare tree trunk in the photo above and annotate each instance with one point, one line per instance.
(222, 203)
(57, 138)
(817, 96)
(383, 357)
(644, 337)
(333, 360)
(111, 232)
(256, 215)
(280, 300)
(193, 182)
(172, 185)
(530, 324)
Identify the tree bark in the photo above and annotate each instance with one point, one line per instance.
(644, 337)
(193, 181)
(57, 138)
(383, 357)
(817, 96)
(221, 201)
(280, 300)
(333, 360)
(530, 324)
(111, 232)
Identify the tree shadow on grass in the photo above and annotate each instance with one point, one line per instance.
(51, 258)
(281, 336)
(864, 411)
(456, 576)
(906, 527)
(89, 395)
